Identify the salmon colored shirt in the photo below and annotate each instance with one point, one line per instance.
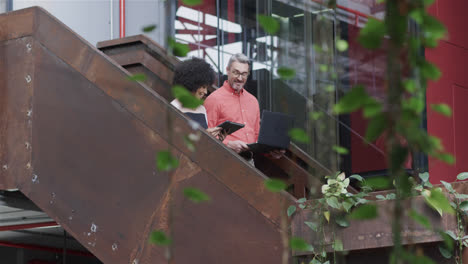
(225, 104)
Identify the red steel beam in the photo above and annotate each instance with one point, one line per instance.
(27, 226)
(47, 249)
(122, 18)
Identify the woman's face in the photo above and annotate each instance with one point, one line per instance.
(201, 92)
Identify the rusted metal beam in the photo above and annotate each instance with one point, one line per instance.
(374, 233)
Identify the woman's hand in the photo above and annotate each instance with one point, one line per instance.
(217, 132)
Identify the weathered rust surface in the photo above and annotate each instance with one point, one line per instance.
(375, 233)
(15, 110)
(140, 54)
(94, 136)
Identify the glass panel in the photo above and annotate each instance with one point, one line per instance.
(306, 42)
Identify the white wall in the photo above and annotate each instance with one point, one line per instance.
(91, 18)
(3, 4)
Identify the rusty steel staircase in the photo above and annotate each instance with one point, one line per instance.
(80, 140)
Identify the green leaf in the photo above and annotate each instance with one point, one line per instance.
(414, 104)
(326, 214)
(139, 77)
(424, 176)
(380, 197)
(442, 109)
(275, 185)
(433, 31)
(430, 71)
(464, 205)
(342, 221)
(149, 28)
(376, 127)
(299, 244)
(186, 98)
(302, 200)
(371, 35)
(427, 3)
(341, 45)
(391, 196)
(315, 115)
(270, 24)
(357, 177)
(340, 150)
(378, 183)
(461, 196)
(462, 176)
(159, 238)
(410, 85)
(347, 206)
(448, 186)
(448, 239)
(323, 67)
(291, 210)
(312, 226)
(445, 252)
(189, 144)
(299, 135)
(330, 88)
(437, 200)
(302, 206)
(178, 49)
(371, 108)
(286, 73)
(338, 245)
(451, 234)
(445, 157)
(417, 15)
(196, 195)
(192, 2)
(333, 202)
(351, 101)
(165, 161)
(420, 219)
(364, 212)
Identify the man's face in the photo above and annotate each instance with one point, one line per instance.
(237, 75)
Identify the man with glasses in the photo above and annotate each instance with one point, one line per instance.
(231, 102)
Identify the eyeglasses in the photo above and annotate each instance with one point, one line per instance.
(236, 74)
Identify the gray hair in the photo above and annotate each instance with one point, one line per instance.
(239, 57)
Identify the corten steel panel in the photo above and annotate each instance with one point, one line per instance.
(94, 140)
(376, 233)
(16, 82)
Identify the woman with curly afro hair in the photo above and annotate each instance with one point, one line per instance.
(196, 76)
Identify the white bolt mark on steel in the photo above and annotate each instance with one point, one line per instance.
(114, 247)
(93, 228)
(34, 178)
(29, 113)
(135, 261)
(5, 167)
(29, 47)
(27, 145)
(28, 78)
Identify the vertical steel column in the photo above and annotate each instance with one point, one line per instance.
(122, 18)
(111, 18)
(218, 13)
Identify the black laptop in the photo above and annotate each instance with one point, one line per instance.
(274, 132)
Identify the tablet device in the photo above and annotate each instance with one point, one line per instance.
(230, 127)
